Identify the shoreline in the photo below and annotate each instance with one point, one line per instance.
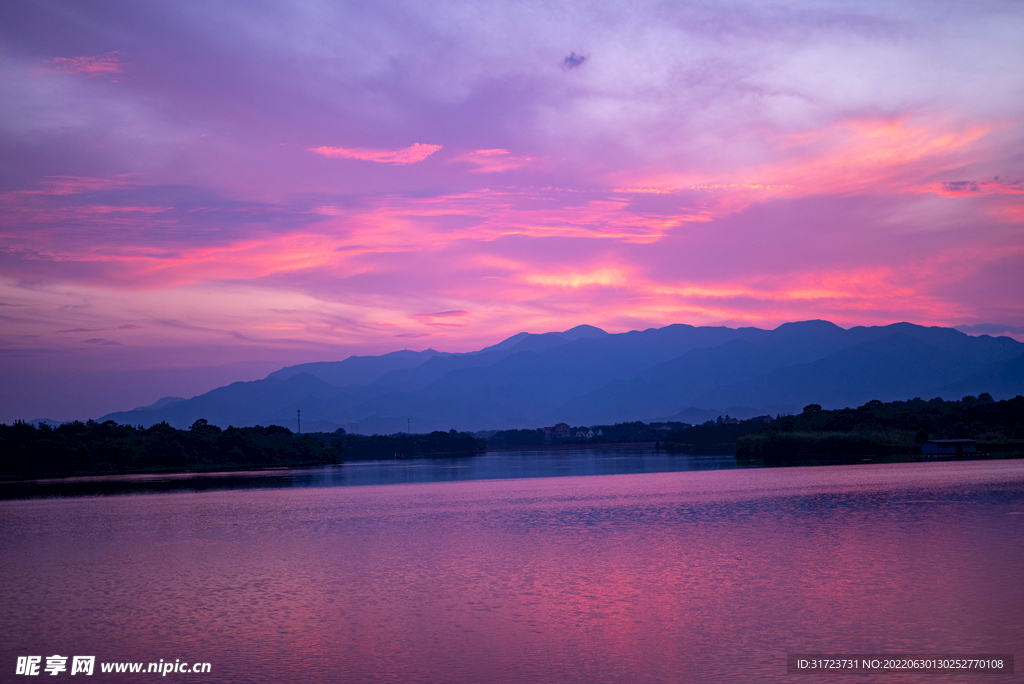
(571, 447)
(243, 470)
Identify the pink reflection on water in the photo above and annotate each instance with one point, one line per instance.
(696, 576)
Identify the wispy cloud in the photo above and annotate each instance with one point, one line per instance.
(416, 152)
(174, 323)
(441, 314)
(69, 185)
(604, 277)
(493, 161)
(85, 330)
(98, 65)
(441, 319)
(962, 188)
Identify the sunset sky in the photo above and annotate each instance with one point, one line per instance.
(195, 193)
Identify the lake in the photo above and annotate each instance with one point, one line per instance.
(661, 571)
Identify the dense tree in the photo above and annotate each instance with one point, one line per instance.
(91, 447)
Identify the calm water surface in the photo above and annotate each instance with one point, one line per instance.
(694, 576)
(491, 466)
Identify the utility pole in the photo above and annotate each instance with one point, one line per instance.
(407, 430)
(298, 414)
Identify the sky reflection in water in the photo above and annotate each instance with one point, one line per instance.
(489, 466)
(707, 576)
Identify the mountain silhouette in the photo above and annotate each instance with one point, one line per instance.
(586, 376)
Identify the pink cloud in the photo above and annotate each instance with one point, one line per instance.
(493, 161)
(99, 65)
(848, 156)
(964, 188)
(600, 277)
(416, 152)
(67, 185)
(440, 314)
(83, 330)
(441, 318)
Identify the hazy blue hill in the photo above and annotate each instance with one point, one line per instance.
(696, 416)
(645, 348)
(527, 384)
(539, 343)
(240, 403)
(579, 332)
(160, 403)
(435, 369)
(984, 348)
(816, 327)
(583, 332)
(410, 379)
(537, 384)
(427, 410)
(586, 376)
(504, 344)
(666, 387)
(1002, 379)
(358, 370)
(894, 367)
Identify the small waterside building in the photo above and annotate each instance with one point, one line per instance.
(557, 431)
(948, 447)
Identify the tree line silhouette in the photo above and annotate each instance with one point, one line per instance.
(876, 428)
(28, 451)
(815, 434)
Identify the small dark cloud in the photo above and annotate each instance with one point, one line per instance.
(81, 330)
(961, 186)
(574, 61)
(130, 326)
(413, 335)
(100, 340)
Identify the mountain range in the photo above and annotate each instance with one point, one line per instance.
(586, 376)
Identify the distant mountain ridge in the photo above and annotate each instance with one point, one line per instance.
(586, 376)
